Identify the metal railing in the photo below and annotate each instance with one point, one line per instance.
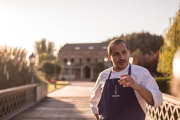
(169, 110)
(15, 100)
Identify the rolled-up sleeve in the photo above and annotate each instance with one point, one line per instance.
(149, 82)
(95, 96)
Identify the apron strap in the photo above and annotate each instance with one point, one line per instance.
(109, 75)
(129, 71)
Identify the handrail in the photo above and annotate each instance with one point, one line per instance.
(171, 99)
(17, 88)
(169, 110)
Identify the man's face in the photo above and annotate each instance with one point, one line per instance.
(119, 56)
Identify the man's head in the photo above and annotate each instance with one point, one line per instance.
(118, 53)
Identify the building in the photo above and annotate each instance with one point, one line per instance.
(78, 60)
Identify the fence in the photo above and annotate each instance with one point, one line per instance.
(169, 110)
(15, 100)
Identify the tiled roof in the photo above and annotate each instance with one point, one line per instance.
(85, 46)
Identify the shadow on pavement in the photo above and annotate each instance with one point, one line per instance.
(64, 108)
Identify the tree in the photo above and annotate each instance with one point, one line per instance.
(149, 62)
(45, 56)
(48, 68)
(40, 46)
(46, 59)
(99, 67)
(171, 44)
(142, 43)
(44, 52)
(137, 52)
(50, 48)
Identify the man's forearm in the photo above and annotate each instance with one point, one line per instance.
(146, 94)
(97, 116)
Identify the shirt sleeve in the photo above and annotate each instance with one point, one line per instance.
(149, 82)
(95, 96)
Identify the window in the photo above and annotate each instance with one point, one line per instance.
(65, 60)
(88, 59)
(77, 48)
(65, 71)
(104, 47)
(72, 60)
(73, 71)
(80, 60)
(90, 47)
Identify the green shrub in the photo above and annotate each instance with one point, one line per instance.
(94, 79)
(63, 79)
(164, 84)
(39, 77)
(98, 68)
(171, 44)
(47, 67)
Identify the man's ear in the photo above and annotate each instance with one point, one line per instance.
(129, 52)
(109, 56)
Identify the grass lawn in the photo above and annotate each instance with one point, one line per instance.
(59, 84)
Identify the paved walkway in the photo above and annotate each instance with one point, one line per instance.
(76, 89)
(68, 103)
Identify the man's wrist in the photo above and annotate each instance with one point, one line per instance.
(97, 116)
(138, 87)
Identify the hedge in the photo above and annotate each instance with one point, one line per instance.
(164, 84)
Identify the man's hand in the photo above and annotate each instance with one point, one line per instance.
(97, 116)
(128, 81)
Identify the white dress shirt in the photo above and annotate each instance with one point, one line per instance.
(140, 74)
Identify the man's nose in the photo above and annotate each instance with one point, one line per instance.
(121, 56)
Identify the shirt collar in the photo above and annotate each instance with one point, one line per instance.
(122, 71)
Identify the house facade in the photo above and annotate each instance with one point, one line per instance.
(78, 60)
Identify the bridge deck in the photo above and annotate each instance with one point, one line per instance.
(68, 103)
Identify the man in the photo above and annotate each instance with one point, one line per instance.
(121, 92)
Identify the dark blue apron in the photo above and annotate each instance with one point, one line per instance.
(119, 105)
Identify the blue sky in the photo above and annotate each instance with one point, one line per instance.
(80, 21)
